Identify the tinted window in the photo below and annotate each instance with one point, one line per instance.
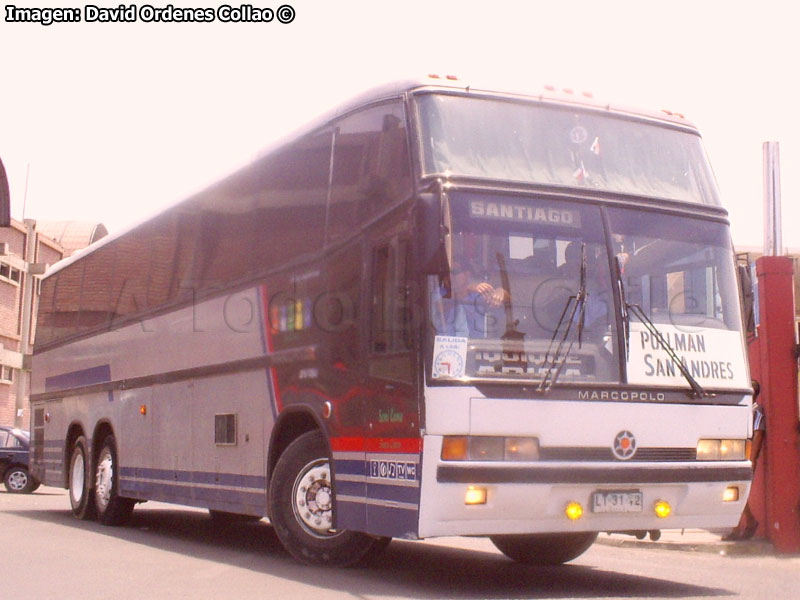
(370, 167)
(267, 215)
(564, 146)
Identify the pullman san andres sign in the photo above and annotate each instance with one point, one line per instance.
(714, 357)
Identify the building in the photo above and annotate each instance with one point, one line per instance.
(26, 249)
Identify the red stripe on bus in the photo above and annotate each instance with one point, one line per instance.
(388, 445)
(347, 444)
(377, 445)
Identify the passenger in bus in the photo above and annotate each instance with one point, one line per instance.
(474, 306)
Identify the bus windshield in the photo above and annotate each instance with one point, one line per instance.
(513, 288)
(562, 146)
(530, 295)
(680, 273)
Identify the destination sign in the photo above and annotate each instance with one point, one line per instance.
(524, 213)
(714, 357)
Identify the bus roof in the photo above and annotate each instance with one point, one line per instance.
(396, 89)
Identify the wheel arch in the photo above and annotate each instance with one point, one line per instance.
(101, 431)
(291, 424)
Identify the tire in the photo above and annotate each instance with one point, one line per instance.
(18, 481)
(224, 518)
(544, 549)
(111, 508)
(81, 496)
(301, 502)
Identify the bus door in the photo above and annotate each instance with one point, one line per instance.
(392, 411)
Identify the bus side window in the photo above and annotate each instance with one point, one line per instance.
(371, 169)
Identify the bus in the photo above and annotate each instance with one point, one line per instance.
(438, 310)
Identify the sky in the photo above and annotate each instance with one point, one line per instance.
(112, 122)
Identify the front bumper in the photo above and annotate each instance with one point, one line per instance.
(532, 497)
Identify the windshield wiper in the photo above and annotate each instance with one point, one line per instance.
(578, 304)
(699, 392)
(511, 333)
(637, 311)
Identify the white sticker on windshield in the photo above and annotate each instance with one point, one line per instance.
(714, 357)
(449, 357)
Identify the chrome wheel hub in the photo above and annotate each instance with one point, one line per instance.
(76, 479)
(312, 496)
(104, 479)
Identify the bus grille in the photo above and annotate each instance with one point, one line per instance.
(605, 454)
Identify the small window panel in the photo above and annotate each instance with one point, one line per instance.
(6, 374)
(10, 274)
(225, 430)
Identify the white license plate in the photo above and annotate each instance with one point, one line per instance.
(617, 501)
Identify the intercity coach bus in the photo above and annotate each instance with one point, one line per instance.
(438, 310)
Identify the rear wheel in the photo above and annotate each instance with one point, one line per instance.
(81, 497)
(111, 508)
(301, 507)
(18, 481)
(544, 549)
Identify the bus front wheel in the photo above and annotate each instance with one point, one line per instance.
(301, 499)
(544, 549)
(81, 497)
(111, 508)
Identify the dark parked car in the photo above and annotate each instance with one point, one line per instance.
(14, 456)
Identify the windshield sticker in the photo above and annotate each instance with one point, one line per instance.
(524, 213)
(449, 357)
(713, 357)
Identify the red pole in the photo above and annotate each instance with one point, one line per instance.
(777, 372)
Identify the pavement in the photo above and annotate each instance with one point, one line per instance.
(692, 540)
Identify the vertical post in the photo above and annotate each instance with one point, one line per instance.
(25, 329)
(778, 378)
(773, 238)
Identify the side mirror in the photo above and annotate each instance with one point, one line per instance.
(433, 256)
(747, 294)
(5, 198)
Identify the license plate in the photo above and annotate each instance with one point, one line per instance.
(617, 501)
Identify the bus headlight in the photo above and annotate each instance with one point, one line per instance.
(721, 450)
(490, 448)
(522, 449)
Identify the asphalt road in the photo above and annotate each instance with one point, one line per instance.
(173, 552)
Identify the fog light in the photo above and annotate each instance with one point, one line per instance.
(731, 494)
(662, 509)
(574, 511)
(475, 495)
